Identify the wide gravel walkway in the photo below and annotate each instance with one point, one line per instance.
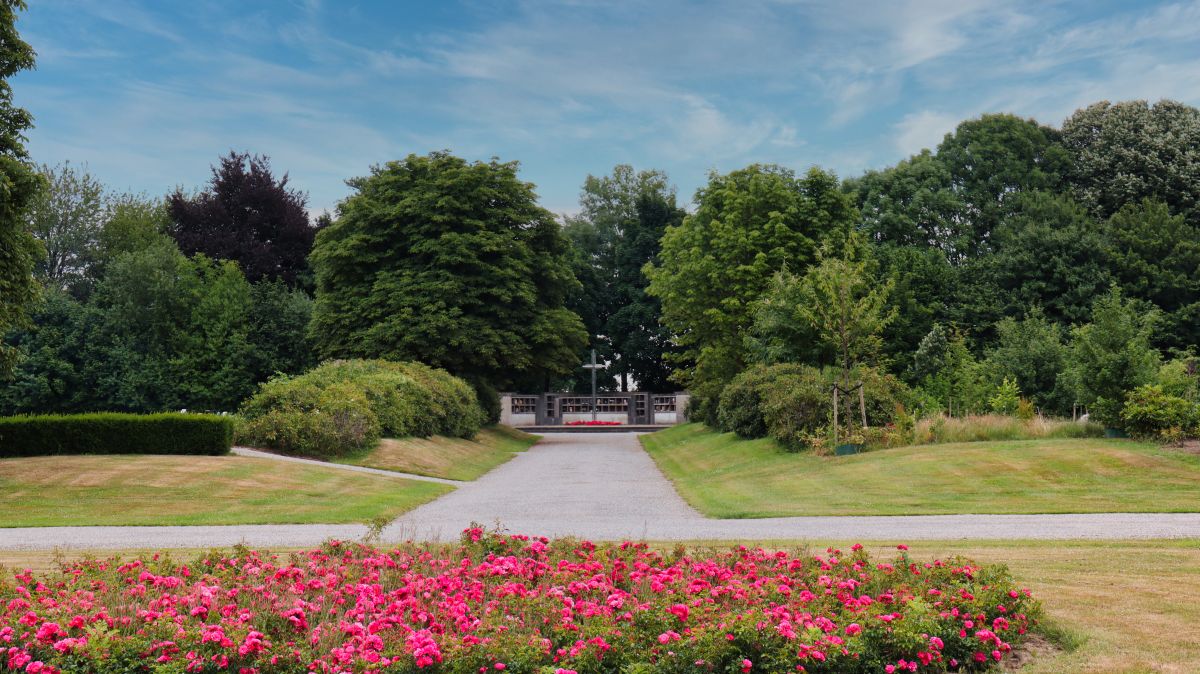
(604, 486)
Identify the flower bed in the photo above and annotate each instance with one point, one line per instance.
(514, 604)
(593, 423)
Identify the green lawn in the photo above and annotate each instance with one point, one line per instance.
(450, 458)
(163, 490)
(724, 476)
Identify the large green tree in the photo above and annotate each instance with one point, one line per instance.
(452, 263)
(716, 264)
(616, 233)
(913, 204)
(1128, 151)
(19, 185)
(833, 314)
(67, 217)
(1047, 253)
(992, 160)
(1156, 257)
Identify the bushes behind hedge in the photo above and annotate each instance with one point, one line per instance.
(115, 433)
(345, 406)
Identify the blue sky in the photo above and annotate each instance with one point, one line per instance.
(149, 93)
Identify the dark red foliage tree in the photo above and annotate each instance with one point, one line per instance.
(247, 216)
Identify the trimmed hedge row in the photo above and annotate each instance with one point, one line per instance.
(115, 433)
(346, 406)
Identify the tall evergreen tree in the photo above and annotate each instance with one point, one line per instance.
(1047, 253)
(1155, 256)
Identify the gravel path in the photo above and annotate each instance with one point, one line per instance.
(603, 486)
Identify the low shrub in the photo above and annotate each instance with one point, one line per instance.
(1006, 399)
(302, 419)
(796, 408)
(1025, 410)
(793, 403)
(363, 400)
(740, 409)
(455, 411)
(1180, 377)
(994, 427)
(1150, 413)
(115, 433)
(500, 603)
(702, 408)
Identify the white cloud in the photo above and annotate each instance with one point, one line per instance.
(924, 129)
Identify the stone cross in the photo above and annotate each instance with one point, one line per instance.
(593, 367)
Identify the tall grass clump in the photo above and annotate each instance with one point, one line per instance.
(995, 427)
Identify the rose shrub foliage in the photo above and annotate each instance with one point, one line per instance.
(514, 604)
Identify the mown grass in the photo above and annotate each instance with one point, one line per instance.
(1129, 605)
(724, 476)
(194, 490)
(450, 458)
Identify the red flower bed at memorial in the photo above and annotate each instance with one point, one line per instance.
(593, 423)
(513, 604)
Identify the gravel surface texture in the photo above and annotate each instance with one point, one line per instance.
(604, 486)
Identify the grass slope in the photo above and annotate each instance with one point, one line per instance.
(724, 476)
(166, 490)
(1127, 601)
(450, 458)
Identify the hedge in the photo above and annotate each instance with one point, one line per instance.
(115, 433)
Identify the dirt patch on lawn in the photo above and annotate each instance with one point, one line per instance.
(1034, 648)
(1187, 446)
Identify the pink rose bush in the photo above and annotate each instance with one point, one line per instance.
(513, 604)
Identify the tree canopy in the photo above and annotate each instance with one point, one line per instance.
(452, 263)
(1128, 151)
(716, 264)
(67, 218)
(19, 186)
(616, 233)
(248, 216)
